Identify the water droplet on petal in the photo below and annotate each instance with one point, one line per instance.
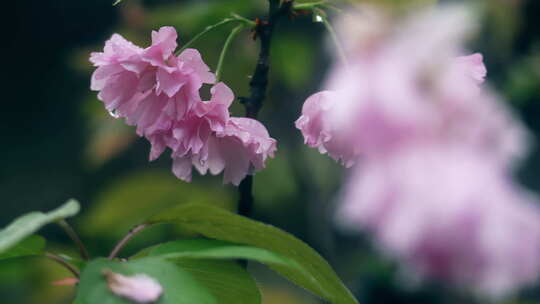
(114, 114)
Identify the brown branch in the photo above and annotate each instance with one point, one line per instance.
(64, 263)
(126, 239)
(75, 238)
(258, 85)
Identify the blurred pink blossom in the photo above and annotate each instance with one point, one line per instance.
(139, 288)
(372, 112)
(408, 89)
(158, 93)
(319, 130)
(446, 213)
(434, 148)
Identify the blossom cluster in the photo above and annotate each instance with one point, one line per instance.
(159, 93)
(433, 151)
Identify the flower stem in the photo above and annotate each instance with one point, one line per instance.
(230, 38)
(206, 30)
(332, 7)
(308, 5)
(75, 238)
(126, 239)
(64, 263)
(245, 20)
(234, 18)
(333, 36)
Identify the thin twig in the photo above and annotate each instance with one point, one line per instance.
(64, 263)
(226, 46)
(75, 238)
(126, 239)
(245, 202)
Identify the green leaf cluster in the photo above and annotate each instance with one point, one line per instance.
(210, 269)
(313, 273)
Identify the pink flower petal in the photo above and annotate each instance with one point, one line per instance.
(139, 288)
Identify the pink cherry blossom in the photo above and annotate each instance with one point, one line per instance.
(210, 140)
(189, 135)
(162, 48)
(158, 93)
(244, 137)
(447, 213)
(149, 87)
(139, 288)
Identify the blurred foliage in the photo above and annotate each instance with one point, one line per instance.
(32, 245)
(59, 142)
(129, 201)
(26, 225)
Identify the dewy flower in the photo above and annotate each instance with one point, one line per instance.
(212, 141)
(447, 213)
(150, 87)
(158, 93)
(241, 148)
(139, 288)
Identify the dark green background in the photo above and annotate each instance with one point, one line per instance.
(58, 142)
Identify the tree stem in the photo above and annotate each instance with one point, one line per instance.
(126, 239)
(75, 238)
(258, 86)
(245, 202)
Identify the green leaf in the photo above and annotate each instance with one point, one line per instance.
(29, 223)
(212, 249)
(317, 277)
(229, 282)
(224, 279)
(32, 245)
(179, 286)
